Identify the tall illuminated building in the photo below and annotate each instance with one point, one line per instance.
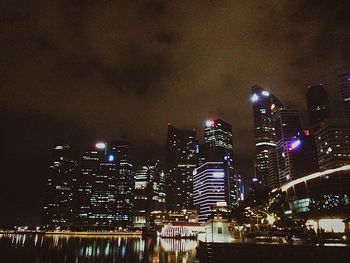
(106, 184)
(149, 194)
(272, 167)
(218, 148)
(124, 182)
(218, 139)
(181, 159)
(287, 128)
(344, 85)
(263, 103)
(211, 185)
(61, 182)
(333, 143)
(317, 104)
(97, 190)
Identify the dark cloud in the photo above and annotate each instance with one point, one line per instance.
(124, 69)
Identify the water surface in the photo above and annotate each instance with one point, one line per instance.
(28, 248)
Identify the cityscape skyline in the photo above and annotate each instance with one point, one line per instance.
(70, 82)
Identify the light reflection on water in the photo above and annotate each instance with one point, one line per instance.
(64, 248)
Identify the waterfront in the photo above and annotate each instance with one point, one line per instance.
(62, 248)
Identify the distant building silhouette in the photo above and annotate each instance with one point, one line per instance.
(181, 159)
(317, 104)
(344, 85)
(61, 182)
(106, 185)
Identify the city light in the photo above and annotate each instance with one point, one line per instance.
(295, 144)
(254, 98)
(335, 225)
(271, 219)
(209, 123)
(100, 145)
(111, 158)
(265, 93)
(218, 174)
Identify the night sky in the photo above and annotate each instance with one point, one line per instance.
(90, 70)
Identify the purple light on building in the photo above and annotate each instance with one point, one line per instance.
(295, 144)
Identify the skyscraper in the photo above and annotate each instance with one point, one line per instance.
(181, 159)
(304, 154)
(211, 184)
(287, 128)
(148, 194)
(263, 103)
(103, 197)
(219, 148)
(106, 184)
(218, 139)
(333, 143)
(317, 104)
(125, 184)
(344, 84)
(97, 190)
(61, 182)
(273, 176)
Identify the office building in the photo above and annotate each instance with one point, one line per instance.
(218, 139)
(181, 158)
(219, 148)
(59, 201)
(317, 104)
(303, 151)
(273, 180)
(149, 194)
(333, 143)
(125, 184)
(263, 104)
(106, 183)
(211, 185)
(344, 85)
(97, 189)
(287, 128)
